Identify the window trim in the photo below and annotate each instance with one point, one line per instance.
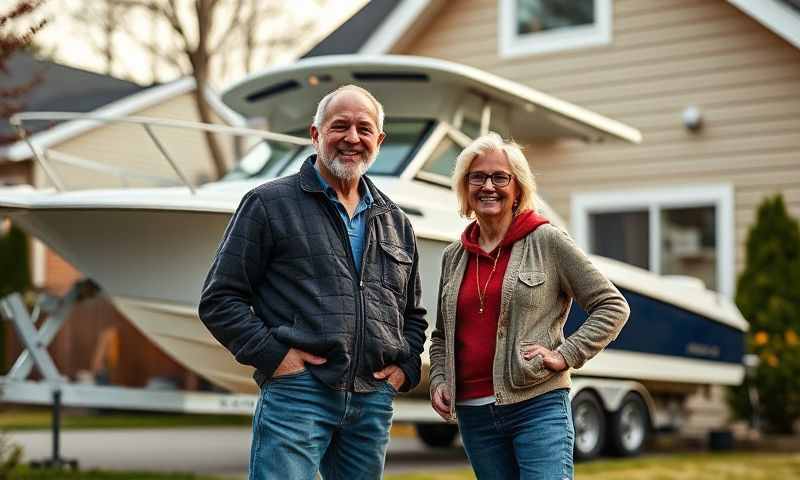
(511, 44)
(720, 196)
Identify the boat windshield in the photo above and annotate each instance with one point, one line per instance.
(269, 159)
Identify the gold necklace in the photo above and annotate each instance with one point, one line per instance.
(482, 296)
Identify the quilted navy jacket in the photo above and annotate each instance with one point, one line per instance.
(284, 276)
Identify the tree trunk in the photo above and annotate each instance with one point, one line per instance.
(200, 59)
(204, 111)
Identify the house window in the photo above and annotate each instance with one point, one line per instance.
(622, 236)
(682, 231)
(538, 26)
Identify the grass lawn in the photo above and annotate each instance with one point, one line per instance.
(728, 466)
(40, 418)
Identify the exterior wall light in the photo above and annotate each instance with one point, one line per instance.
(692, 118)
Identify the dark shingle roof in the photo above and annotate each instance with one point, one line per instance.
(794, 4)
(354, 33)
(63, 88)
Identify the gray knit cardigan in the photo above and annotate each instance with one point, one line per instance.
(545, 272)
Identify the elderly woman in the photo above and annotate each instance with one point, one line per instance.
(499, 360)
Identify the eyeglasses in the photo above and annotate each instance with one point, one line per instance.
(499, 179)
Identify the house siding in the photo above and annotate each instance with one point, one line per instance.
(15, 173)
(664, 56)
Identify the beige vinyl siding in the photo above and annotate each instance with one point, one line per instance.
(128, 146)
(15, 173)
(664, 55)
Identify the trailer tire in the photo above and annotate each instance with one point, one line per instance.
(437, 435)
(629, 426)
(589, 421)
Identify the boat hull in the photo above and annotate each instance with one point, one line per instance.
(177, 330)
(152, 264)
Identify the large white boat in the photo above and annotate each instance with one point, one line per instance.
(150, 248)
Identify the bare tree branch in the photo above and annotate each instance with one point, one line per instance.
(12, 96)
(205, 36)
(235, 24)
(171, 14)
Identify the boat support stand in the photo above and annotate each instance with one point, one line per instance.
(57, 390)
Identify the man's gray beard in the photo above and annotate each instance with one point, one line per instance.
(346, 172)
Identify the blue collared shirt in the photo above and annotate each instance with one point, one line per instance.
(356, 226)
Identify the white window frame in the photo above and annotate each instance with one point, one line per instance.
(719, 196)
(512, 44)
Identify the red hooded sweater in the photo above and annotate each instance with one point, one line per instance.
(476, 332)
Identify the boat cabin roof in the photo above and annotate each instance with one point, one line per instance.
(416, 87)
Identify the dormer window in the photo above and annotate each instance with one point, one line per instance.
(539, 26)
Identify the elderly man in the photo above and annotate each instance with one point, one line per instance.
(316, 285)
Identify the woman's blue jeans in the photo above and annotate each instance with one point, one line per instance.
(301, 426)
(527, 440)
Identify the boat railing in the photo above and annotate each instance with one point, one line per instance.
(45, 156)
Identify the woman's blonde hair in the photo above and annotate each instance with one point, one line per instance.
(493, 142)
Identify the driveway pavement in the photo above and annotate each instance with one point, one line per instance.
(215, 451)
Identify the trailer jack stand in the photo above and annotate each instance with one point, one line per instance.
(36, 355)
(56, 462)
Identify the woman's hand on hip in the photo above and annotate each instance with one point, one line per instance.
(551, 359)
(441, 400)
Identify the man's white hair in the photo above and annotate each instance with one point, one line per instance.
(322, 106)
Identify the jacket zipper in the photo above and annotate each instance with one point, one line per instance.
(358, 286)
(359, 340)
(341, 229)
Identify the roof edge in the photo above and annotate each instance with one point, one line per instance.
(394, 26)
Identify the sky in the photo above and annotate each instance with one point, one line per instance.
(69, 41)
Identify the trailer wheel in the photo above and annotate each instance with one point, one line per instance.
(590, 425)
(438, 435)
(629, 426)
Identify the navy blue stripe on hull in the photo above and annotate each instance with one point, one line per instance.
(657, 327)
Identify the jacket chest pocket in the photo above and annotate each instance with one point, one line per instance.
(395, 266)
(530, 289)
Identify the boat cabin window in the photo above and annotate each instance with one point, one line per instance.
(439, 168)
(273, 159)
(402, 139)
(262, 158)
(471, 128)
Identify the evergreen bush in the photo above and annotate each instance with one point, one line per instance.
(14, 275)
(768, 295)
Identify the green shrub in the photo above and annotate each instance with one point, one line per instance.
(14, 274)
(14, 266)
(768, 295)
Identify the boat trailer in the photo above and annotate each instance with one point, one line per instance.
(57, 391)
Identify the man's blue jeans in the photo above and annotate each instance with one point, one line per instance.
(527, 440)
(301, 426)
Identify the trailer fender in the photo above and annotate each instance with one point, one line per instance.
(612, 392)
